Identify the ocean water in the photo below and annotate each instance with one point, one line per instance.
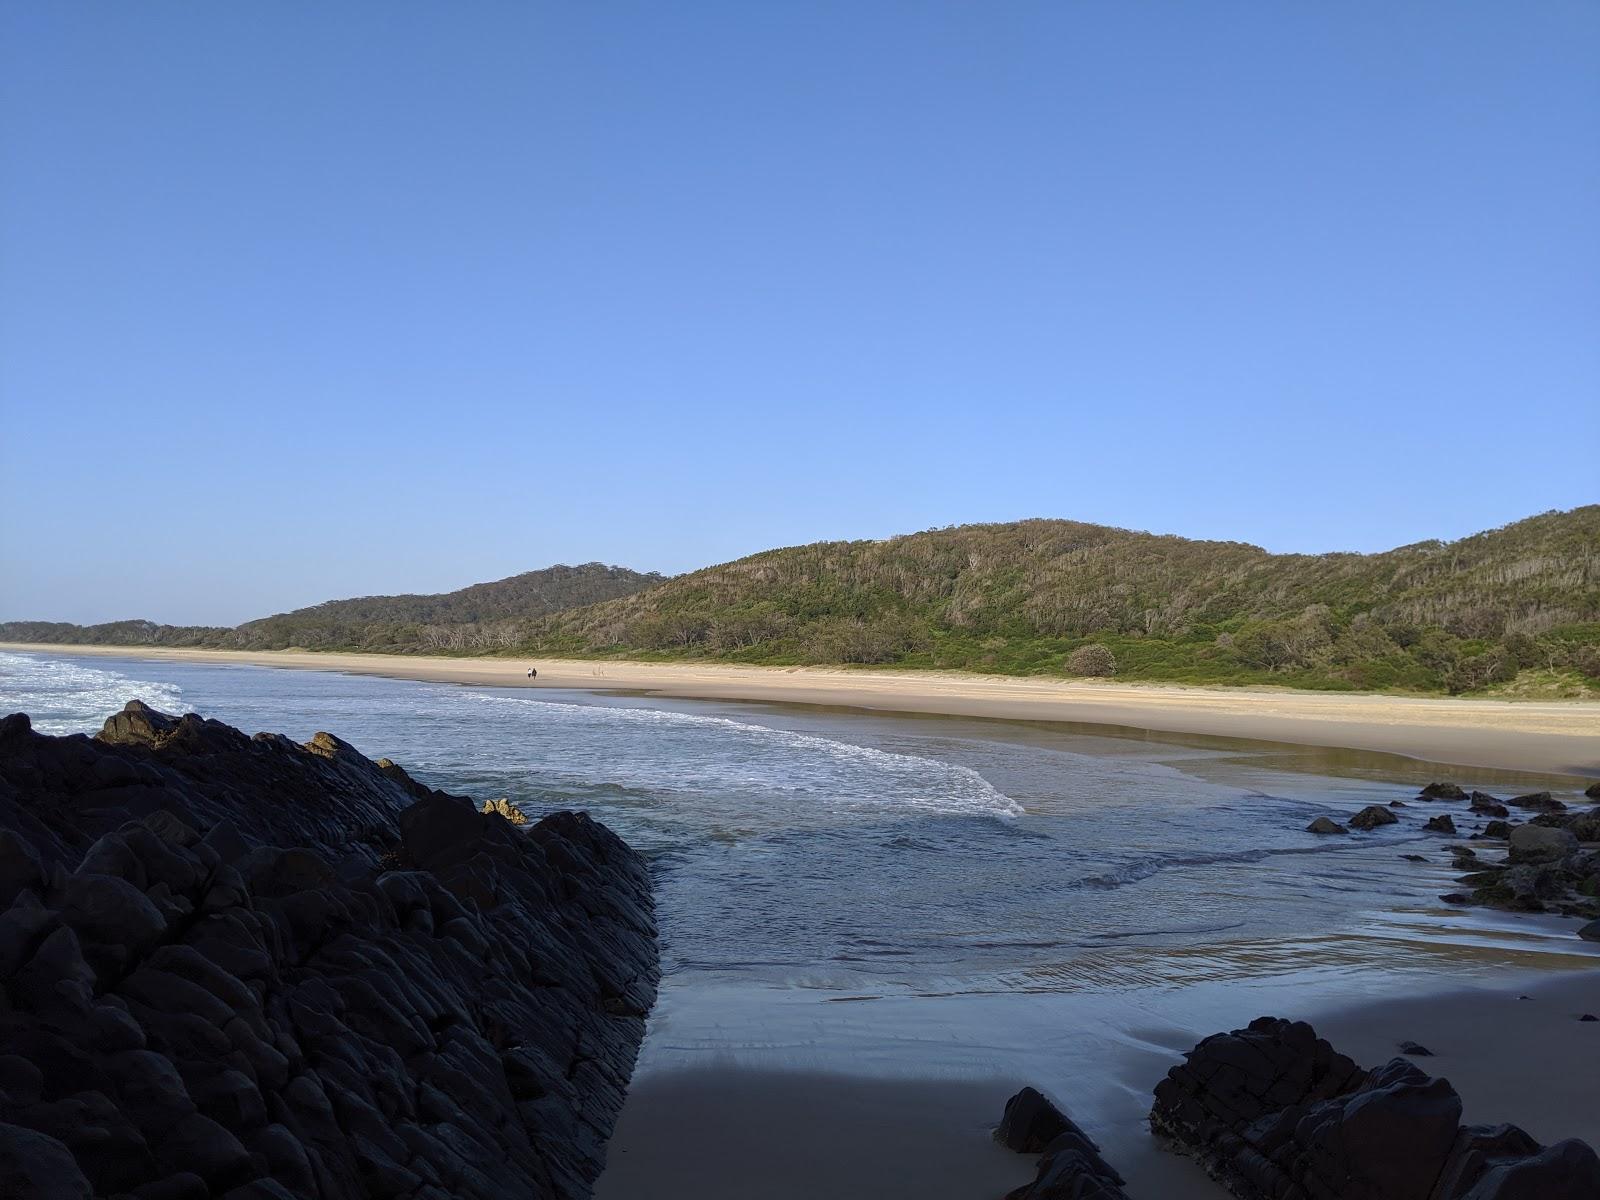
(831, 884)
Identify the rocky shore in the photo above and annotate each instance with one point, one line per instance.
(1273, 1112)
(241, 967)
(1531, 853)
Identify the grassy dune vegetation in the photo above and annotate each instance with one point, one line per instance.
(1511, 611)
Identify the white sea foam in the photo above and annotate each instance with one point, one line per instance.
(830, 775)
(70, 697)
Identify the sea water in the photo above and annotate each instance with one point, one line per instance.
(859, 891)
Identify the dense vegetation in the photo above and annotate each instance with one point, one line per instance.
(1518, 603)
(485, 616)
(1514, 610)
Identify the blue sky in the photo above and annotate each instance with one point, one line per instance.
(301, 301)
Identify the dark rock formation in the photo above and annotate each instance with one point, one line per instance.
(1440, 824)
(1326, 825)
(1030, 1123)
(1538, 802)
(240, 967)
(1498, 830)
(1071, 1167)
(1537, 843)
(1593, 790)
(1273, 1113)
(1371, 817)
(1415, 1050)
(1488, 806)
(1443, 791)
(1590, 932)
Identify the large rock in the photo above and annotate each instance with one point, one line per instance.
(1325, 825)
(1371, 817)
(1538, 802)
(1071, 1166)
(1272, 1111)
(1443, 791)
(239, 966)
(1536, 843)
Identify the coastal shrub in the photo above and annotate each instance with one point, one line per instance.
(1093, 659)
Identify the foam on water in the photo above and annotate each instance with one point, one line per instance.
(828, 776)
(70, 697)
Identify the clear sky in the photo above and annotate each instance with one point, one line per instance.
(307, 300)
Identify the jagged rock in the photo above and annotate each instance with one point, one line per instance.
(1440, 824)
(1415, 1050)
(1371, 817)
(1590, 932)
(504, 808)
(1413, 858)
(1498, 830)
(1326, 825)
(1443, 791)
(1593, 790)
(238, 967)
(1071, 1167)
(1273, 1111)
(1538, 801)
(1486, 804)
(1030, 1123)
(1535, 843)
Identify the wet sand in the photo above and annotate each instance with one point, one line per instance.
(1557, 737)
(735, 1131)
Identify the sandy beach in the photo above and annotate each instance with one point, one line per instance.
(718, 1131)
(1558, 737)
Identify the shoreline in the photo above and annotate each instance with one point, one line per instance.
(1553, 736)
(707, 1129)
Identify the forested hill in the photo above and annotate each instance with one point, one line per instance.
(1517, 606)
(1512, 610)
(482, 617)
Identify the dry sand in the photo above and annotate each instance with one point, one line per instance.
(1517, 1054)
(1558, 737)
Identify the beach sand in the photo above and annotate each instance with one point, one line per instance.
(1514, 1053)
(1557, 737)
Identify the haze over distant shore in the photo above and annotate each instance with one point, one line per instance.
(1559, 737)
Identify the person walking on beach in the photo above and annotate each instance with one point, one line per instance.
(533, 673)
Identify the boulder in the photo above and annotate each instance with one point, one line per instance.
(1030, 1123)
(1538, 802)
(1274, 1111)
(1443, 791)
(1071, 1168)
(1488, 806)
(1590, 932)
(1497, 830)
(1536, 843)
(1326, 825)
(1371, 817)
(1593, 790)
(1440, 824)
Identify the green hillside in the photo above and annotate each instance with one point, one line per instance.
(1513, 610)
(1518, 606)
(485, 616)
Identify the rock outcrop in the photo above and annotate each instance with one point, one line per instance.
(1373, 816)
(1070, 1166)
(1273, 1112)
(240, 967)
